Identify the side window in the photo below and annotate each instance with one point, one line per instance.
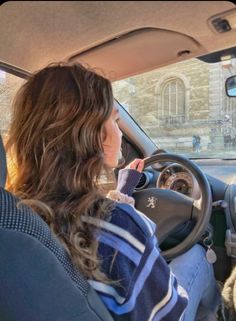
(172, 109)
(9, 84)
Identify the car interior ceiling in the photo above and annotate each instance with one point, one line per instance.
(115, 31)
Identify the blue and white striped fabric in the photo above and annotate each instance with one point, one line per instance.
(142, 287)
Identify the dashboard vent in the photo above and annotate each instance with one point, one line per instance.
(143, 182)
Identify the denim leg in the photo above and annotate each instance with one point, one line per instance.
(196, 276)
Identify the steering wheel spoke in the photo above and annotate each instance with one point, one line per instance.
(170, 209)
(196, 209)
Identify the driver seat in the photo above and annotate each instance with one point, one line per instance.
(38, 281)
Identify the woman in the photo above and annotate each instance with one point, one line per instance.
(64, 133)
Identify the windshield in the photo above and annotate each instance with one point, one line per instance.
(184, 108)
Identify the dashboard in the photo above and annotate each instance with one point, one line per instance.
(220, 174)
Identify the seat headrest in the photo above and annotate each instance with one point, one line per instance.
(3, 164)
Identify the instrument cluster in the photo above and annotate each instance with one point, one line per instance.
(178, 179)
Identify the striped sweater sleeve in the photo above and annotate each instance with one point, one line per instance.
(142, 286)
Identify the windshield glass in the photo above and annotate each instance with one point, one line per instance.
(184, 108)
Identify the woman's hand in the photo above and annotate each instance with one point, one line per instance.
(129, 177)
(136, 164)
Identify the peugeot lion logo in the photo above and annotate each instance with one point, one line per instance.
(152, 202)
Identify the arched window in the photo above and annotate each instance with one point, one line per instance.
(172, 109)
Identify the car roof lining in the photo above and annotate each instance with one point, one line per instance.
(35, 34)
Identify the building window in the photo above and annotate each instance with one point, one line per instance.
(172, 109)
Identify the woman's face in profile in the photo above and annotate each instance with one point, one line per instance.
(112, 142)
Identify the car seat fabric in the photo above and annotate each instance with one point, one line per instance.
(38, 281)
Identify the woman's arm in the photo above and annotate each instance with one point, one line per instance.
(128, 179)
(142, 286)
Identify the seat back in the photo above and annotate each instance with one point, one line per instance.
(37, 278)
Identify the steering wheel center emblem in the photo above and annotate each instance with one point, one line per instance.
(151, 202)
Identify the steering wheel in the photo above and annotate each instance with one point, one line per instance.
(170, 209)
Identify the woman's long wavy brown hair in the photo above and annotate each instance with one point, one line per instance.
(56, 139)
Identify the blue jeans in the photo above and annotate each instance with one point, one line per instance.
(196, 276)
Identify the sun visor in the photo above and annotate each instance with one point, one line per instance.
(123, 56)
